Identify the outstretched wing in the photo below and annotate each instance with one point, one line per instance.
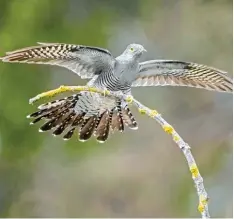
(83, 60)
(178, 73)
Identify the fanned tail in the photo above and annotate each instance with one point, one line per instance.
(60, 117)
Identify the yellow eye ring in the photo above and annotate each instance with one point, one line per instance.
(131, 49)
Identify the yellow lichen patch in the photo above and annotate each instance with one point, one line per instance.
(202, 203)
(106, 92)
(176, 138)
(153, 113)
(194, 170)
(201, 207)
(61, 88)
(51, 93)
(142, 111)
(168, 129)
(129, 99)
(203, 199)
(92, 89)
(86, 89)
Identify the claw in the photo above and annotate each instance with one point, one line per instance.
(106, 92)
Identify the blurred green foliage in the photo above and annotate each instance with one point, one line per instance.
(23, 23)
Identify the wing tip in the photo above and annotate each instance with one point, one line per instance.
(6, 59)
(47, 44)
(12, 58)
(25, 49)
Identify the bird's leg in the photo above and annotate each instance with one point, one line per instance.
(106, 92)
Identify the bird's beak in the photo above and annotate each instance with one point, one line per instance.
(144, 50)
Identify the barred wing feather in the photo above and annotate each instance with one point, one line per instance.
(178, 73)
(83, 60)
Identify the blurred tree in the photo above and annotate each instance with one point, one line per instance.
(23, 23)
(41, 177)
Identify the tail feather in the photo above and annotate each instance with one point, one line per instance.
(49, 125)
(42, 112)
(64, 124)
(69, 134)
(51, 109)
(87, 128)
(128, 118)
(46, 115)
(57, 119)
(117, 119)
(58, 102)
(102, 130)
(97, 123)
(60, 116)
(120, 118)
(111, 118)
(78, 120)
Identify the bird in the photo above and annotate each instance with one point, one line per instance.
(93, 114)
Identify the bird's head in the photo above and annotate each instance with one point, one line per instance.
(134, 50)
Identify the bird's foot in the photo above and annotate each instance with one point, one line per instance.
(106, 92)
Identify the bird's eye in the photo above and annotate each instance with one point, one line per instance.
(131, 49)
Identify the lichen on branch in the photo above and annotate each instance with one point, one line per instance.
(184, 147)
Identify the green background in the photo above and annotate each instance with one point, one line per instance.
(135, 174)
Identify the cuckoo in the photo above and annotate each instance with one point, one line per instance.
(98, 115)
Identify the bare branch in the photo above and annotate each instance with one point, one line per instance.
(196, 176)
